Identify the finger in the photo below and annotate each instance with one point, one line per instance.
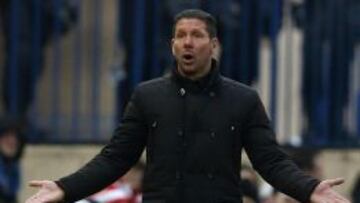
(335, 182)
(341, 199)
(36, 183)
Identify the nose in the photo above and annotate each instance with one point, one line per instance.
(188, 42)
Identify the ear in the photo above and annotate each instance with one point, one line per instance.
(216, 48)
(214, 43)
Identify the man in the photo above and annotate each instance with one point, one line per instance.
(194, 124)
(11, 148)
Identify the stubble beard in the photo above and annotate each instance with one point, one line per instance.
(193, 71)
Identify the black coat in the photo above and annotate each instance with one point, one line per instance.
(194, 133)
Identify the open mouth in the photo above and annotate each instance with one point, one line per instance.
(188, 58)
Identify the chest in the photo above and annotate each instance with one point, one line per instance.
(197, 124)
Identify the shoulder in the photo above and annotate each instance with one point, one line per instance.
(237, 88)
(153, 84)
(156, 86)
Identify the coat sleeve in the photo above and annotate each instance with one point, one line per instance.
(269, 160)
(114, 160)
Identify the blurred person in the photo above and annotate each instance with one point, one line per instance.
(25, 37)
(250, 191)
(248, 173)
(249, 184)
(194, 124)
(11, 147)
(125, 190)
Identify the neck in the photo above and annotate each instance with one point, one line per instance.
(197, 75)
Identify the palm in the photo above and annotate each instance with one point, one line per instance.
(49, 191)
(324, 192)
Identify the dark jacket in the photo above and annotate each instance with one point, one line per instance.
(194, 133)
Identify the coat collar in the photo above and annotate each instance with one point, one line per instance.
(206, 83)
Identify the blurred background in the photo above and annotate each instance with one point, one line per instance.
(68, 67)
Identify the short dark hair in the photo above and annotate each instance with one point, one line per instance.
(211, 25)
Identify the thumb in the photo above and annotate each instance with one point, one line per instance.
(335, 182)
(36, 183)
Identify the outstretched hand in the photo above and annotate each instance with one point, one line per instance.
(49, 192)
(324, 192)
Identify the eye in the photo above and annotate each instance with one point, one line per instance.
(198, 34)
(180, 35)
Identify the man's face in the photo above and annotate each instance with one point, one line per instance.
(9, 144)
(192, 47)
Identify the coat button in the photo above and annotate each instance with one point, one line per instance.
(154, 124)
(232, 128)
(210, 176)
(212, 94)
(182, 92)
